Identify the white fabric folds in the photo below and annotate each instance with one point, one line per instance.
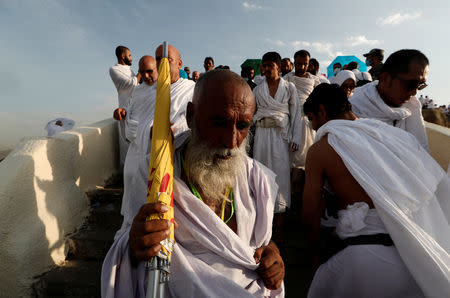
(409, 190)
(271, 146)
(367, 103)
(138, 157)
(209, 260)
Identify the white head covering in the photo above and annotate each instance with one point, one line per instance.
(343, 75)
(362, 76)
(52, 128)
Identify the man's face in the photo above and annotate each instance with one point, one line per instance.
(311, 69)
(224, 120)
(401, 87)
(286, 66)
(127, 57)
(348, 86)
(175, 62)
(188, 71)
(301, 65)
(148, 72)
(271, 70)
(251, 74)
(208, 65)
(195, 76)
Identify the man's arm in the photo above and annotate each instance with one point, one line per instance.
(271, 265)
(121, 80)
(312, 197)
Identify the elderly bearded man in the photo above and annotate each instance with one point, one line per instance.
(223, 204)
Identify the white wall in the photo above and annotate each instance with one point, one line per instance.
(439, 142)
(42, 186)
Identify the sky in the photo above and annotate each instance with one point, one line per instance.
(56, 53)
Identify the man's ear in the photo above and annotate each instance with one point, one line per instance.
(322, 113)
(180, 63)
(190, 114)
(384, 79)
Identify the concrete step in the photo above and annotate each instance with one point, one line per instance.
(79, 276)
(75, 278)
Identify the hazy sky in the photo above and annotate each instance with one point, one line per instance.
(56, 54)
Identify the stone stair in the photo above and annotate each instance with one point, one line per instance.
(79, 275)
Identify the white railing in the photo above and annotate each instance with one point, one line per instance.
(42, 197)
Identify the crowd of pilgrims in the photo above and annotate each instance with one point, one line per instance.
(281, 132)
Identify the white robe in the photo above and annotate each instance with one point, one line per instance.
(410, 192)
(272, 145)
(259, 79)
(304, 88)
(124, 80)
(363, 270)
(367, 103)
(209, 259)
(138, 157)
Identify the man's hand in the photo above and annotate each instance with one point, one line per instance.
(294, 147)
(271, 265)
(145, 236)
(119, 114)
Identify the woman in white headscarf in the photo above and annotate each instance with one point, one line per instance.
(347, 81)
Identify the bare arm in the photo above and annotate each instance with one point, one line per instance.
(312, 197)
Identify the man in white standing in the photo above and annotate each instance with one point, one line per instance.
(277, 121)
(124, 79)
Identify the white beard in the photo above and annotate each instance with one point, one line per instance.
(211, 174)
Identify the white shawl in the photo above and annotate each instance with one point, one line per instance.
(138, 157)
(410, 192)
(209, 259)
(367, 103)
(284, 109)
(304, 85)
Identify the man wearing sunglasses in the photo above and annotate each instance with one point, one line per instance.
(391, 99)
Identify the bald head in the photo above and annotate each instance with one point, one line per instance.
(222, 109)
(148, 70)
(175, 61)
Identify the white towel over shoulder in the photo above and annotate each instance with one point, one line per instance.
(409, 190)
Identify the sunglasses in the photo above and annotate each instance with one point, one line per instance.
(412, 84)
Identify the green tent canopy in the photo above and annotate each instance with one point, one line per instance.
(253, 63)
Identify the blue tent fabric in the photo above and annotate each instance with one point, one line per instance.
(345, 60)
(183, 74)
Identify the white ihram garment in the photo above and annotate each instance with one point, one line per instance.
(138, 157)
(363, 270)
(272, 144)
(124, 80)
(410, 192)
(367, 103)
(304, 88)
(209, 259)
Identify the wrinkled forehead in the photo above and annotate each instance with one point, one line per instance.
(227, 97)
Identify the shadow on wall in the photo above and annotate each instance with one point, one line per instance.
(22, 230)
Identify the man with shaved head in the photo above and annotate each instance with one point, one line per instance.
(223, 203)
(124, 79)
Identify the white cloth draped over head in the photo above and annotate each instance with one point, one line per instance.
(344, 75)
(410, 192)
(138, 157)
(271, 144)
(367, 103)
(362, 75)
(304, 88)
(52, 128)
(209, 259)
(124, 80)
